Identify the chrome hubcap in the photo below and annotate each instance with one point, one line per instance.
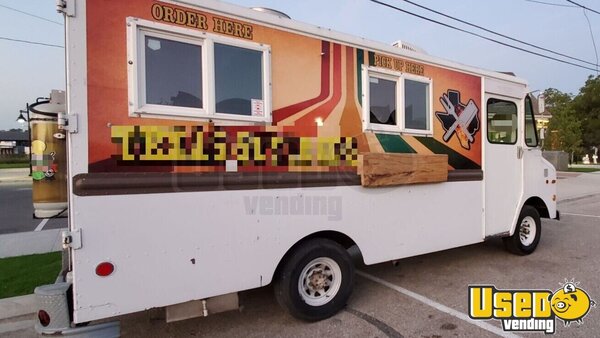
(527, 231)
(320, 281)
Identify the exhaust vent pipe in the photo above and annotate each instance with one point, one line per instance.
(271, 11)
(408, 46)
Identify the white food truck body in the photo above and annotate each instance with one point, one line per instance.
(196, 243)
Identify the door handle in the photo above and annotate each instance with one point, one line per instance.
(520, 152)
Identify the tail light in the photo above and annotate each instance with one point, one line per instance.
(44, 318)
(105, 269)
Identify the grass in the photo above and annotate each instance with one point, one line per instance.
(583, 170)
(14, 165)
(20, 275)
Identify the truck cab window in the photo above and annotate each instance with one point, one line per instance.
(502, 121)
(531, 138)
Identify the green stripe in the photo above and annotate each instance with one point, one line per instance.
(394, 144)
(360, 60)
(456, 160)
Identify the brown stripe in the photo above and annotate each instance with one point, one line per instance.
(465, 175)
(98, 184)
(147, 183)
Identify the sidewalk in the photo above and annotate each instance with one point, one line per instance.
(30, 242)
(14, 175)
(576, 185)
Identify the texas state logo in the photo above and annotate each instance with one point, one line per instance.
(460, 119)
(530, 310)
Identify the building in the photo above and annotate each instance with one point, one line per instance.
(14, 142)
(542, 116)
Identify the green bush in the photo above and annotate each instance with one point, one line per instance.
(14, 159)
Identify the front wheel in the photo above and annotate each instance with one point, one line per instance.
(316, 280)
(527, 234)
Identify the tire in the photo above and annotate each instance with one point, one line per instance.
(527, 233)
(315, 281)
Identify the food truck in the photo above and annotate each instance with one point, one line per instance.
(214, 148)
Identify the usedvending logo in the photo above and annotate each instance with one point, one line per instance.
(530, 310)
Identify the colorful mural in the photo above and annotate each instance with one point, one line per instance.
(316, 99)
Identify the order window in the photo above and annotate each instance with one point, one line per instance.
(182, 73)
(396, 103)
(238, 79)
(179, 86)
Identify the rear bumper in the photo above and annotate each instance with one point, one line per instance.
(54, 317)
(104, 330)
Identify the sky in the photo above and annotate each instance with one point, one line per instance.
(31, 71)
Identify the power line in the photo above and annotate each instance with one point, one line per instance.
(32, 15)
(500, 34)
(582, 6)
(481, 36)
(592, 34)
(550, 3)
(31, 42)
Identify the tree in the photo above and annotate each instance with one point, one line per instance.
(556, 99)
(564, 128)
(587, 107)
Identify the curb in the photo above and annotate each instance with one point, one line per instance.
(17, 306)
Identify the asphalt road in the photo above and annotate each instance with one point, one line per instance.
(424, 296)
(16, 210)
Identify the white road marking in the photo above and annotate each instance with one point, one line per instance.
(15, 326)
(41, 225)
(484, 325)
(582, 215)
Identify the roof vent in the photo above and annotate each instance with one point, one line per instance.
(408, 46)
(271, 11)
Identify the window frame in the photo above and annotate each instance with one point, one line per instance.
(488, 120)
(384, 75)
(399, 78)
(535, 131)
(138, 29)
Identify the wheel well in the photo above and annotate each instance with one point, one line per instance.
(539, 205)
(338, 237)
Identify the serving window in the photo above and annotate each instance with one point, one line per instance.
(181, 73)
(168, 85)
(397, 102)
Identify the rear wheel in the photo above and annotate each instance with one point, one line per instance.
(316, 280)
(527, 234)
